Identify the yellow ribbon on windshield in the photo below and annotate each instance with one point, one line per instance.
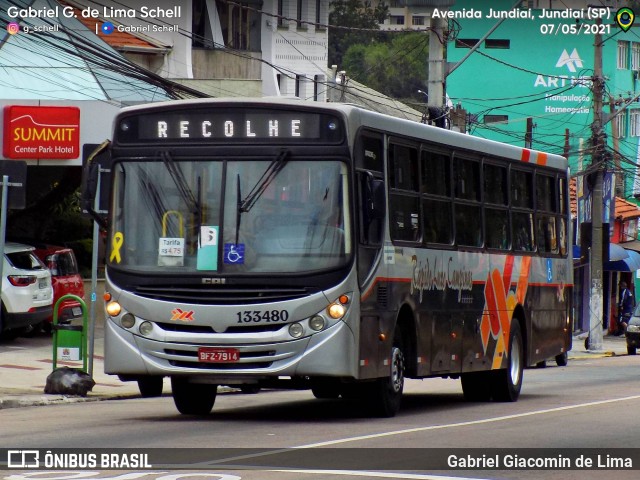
(116, 244)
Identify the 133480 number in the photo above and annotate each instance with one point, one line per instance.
(262, 316)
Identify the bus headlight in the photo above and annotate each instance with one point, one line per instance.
(146, 328)
(336, 310)
(128, 320)
(296, 330)
(113, 309)
(316, 323)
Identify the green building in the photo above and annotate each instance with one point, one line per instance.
(529, 84)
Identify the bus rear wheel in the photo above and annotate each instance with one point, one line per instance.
(193, 398)
(385, 394)
(507, 383)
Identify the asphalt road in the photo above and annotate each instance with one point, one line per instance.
(588, 406)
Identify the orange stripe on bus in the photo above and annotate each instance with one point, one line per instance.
(542, 158)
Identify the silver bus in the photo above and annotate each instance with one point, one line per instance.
(292, 244)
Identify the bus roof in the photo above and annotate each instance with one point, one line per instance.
(376, 121)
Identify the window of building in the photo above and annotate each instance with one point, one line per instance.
(634, 123)
(417, 20)
(319, 14)
(623, 55)
(466, 42)
(282, 4)
(397, 20)
(629, 230)
(635, 56)
(620, 125)
(200, 27)
(301, 13)
(497, 43)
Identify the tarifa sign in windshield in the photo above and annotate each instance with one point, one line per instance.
(32, 132)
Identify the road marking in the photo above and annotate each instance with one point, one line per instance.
(464, 424)
(228, 462)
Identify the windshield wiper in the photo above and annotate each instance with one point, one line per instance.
(272, 171)
(181, 183)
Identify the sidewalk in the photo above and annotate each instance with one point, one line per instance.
(26, 362)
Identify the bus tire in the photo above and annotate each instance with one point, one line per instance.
(193, 398)
(562, 360)
(385, 394)
(476, 386)
(150, 386)
(507, 382)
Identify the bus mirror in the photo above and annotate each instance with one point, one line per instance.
(377, 199)
(373, 209)
(92, 177)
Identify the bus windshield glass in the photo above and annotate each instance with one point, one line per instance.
(230, 216)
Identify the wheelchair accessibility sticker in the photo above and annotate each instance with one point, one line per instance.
(234, 253)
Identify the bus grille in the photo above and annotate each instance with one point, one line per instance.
(223, 294)
(188, 328)
(191, 361)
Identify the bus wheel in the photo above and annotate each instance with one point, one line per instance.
(476, 386)
(193, 398)
(507, 383)
(150, 386)
(386, 393)
(562, 360)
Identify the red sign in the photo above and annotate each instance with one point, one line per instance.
(32, 132)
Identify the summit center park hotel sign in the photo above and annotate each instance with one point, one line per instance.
(34, 132)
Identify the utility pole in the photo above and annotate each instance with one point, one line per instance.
(528, 136)
(435, 84)
(598, 143)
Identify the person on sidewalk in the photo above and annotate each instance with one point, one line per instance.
(625, 308)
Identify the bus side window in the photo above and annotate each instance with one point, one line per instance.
(523, 231)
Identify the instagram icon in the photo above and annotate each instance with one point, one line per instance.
(13, 28)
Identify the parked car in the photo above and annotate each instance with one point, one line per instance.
(27, 294)
(65, 278)
(632, 334)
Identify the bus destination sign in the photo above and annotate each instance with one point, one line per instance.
(228, 124)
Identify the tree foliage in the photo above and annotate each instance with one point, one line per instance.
(397, 68)
(360, 18)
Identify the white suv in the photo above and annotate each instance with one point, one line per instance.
(27, 293)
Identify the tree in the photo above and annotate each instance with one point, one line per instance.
(359, 20)
(397, 68)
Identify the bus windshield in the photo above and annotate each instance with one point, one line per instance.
(192, 216)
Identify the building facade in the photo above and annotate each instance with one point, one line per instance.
(525, 78)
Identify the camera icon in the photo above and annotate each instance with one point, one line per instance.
(23, 459)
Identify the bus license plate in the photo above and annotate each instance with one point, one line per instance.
(218, 355)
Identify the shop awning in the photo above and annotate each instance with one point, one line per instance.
(616, 252)
(629, 264)
(633, 245)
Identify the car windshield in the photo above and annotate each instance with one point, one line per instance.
(261, 216)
